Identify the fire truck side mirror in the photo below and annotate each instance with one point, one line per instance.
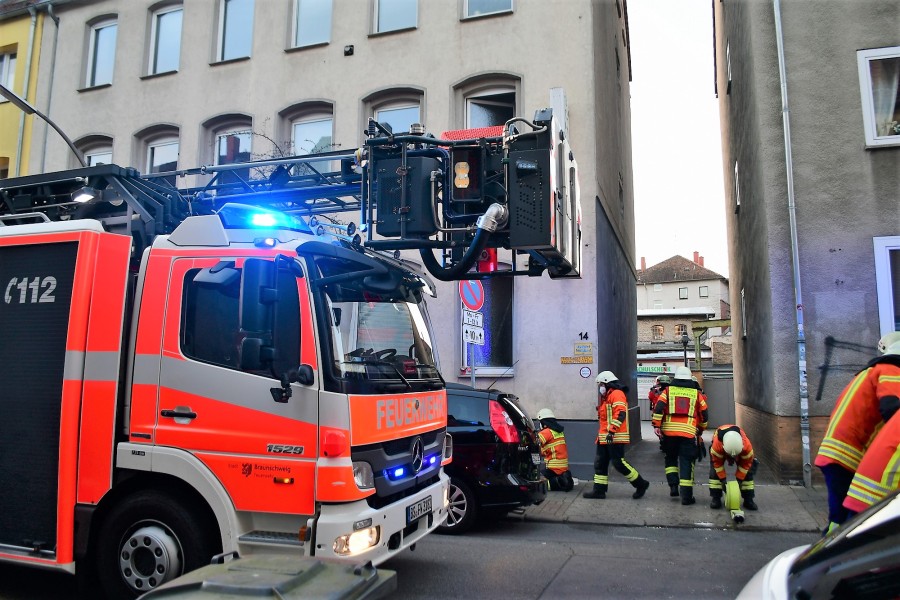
(258, 297)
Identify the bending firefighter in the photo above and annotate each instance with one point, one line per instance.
(555, 452)
(680, 417)
(612, 412)
(730, 444)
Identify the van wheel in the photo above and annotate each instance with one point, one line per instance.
(150, 538)
(462, 511)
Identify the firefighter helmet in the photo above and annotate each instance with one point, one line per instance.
(893, 348)
(733, 443)
(606, 377)
(664, 379)
(545, 413)
(682, 373)
(887, 340)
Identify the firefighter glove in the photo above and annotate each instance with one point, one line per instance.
(701, 449)
(609, 438)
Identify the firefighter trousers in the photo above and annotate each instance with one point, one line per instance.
(615, 454)
(716, 486)
(680, 454)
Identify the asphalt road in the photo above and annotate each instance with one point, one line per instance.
(523, 560)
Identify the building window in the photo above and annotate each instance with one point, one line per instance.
(311, 134)
(4, 167)
(162, 157)
(680, 330)
(495, 357)
(393, 15)
(657, 304)
(235, 29)
(728, 67)
(490, 107)
(659, 333)
(743, 316)
(100, 157)
(657, 287)
(704, 291)
(887, 282)
(8, 72)
(97, 150)
(233, 147)
(399, 107)
(736, 192)
(682, 293)
(879, 83)
(165, 35)
(101, 53)
(479, 8)
(312, 24)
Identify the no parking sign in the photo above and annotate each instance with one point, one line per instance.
(471, 292)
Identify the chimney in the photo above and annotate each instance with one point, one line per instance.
(701, 261)
(696, 257)
(643, 264)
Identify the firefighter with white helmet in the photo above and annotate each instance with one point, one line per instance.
(680, 416)
(555, 452)
(731, 445)
(612, 437)
(869, 400)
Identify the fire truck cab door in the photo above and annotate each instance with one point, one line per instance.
(232, 328)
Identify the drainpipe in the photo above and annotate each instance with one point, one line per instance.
(795, 254)
(52, 77)
(21, 141)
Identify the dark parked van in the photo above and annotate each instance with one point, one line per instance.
(496, 456)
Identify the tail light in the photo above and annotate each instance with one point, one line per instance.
(502, 424)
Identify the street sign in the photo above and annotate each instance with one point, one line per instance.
(475, 319)
(473, 335)
(471, 292)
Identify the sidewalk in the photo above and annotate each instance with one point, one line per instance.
(781, 507)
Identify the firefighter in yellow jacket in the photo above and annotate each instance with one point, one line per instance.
(612, 436)
(680, 416)
(555, 452)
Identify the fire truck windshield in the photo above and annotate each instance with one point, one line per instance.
(377, 331)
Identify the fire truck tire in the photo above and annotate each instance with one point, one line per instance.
(150, 538)
(462, 510)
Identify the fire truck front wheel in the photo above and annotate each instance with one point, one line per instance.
(150, 538)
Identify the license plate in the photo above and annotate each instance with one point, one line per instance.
(536, 458)
(416, 511)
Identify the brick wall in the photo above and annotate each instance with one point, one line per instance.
(776, 442)
(721, 352)
(645, 328)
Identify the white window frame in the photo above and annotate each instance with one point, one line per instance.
(295, 42)
(682, 293)
(154, 35)
(318, 117)
(167, 140)
(8, 71)
(468, 15)
(228, 132)
(704, 291)
(884, 284)
(743, 316)
(680, 330)
(220, 48)
(91, 157)
(376, 13)
(864, 58)
(657, 287)
(728, 67)
(485, 97)
(657, 333)
(90, 71)
(737, 189)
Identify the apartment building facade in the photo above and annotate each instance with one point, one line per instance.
(809, 101)
(164, 86)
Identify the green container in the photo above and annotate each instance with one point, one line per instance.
(281, 577)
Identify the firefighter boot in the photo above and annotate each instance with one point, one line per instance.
(673, 490)
(687, 495)
(716, 500)
(640, 487)
(749, 504)
(598, 492)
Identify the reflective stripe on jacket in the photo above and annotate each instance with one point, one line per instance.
(613, 415)
(858, 415)
(717, 455)
(685, 415)
(878, 473)
(553, 447)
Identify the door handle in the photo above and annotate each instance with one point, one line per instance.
(180, 412)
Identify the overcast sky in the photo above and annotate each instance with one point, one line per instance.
(678, 195)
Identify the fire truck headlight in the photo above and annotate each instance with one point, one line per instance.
(356, 542)
(363, 475)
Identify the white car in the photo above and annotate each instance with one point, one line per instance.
(859, 560)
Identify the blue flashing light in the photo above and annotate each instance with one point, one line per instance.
(398, 472)
(432, 460)
(243, 216)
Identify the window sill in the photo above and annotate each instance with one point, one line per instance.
(216, 63)
(94, 87)
(305, 47)
(499, 13)
(392, 31)
(157, 75)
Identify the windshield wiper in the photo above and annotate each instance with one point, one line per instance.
(382, 363)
